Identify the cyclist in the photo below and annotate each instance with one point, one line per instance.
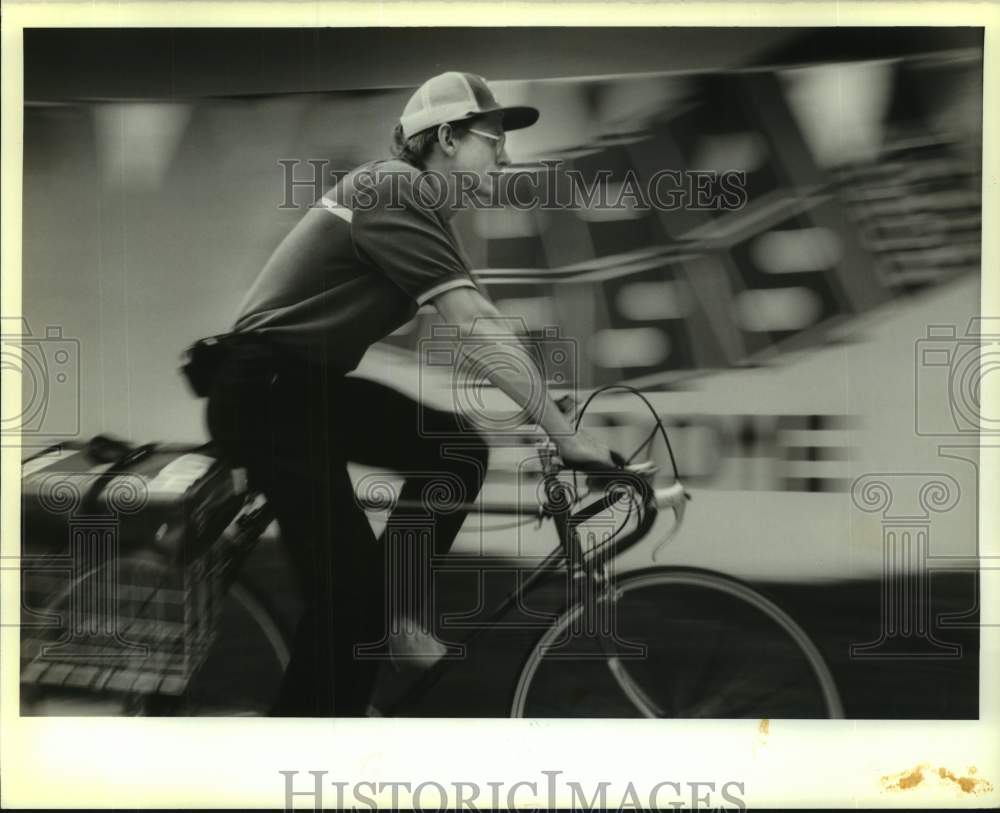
(357, 266)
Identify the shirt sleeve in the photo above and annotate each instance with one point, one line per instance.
(406, 240)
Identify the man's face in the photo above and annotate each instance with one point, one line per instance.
(480, 151)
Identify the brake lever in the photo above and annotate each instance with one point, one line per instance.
(675, 497)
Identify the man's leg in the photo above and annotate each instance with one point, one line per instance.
(340, 569)
(281, 428)
(442, 466)
(430, 447)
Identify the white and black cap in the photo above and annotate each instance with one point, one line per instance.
(455, 96)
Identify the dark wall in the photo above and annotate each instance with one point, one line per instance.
(170, 63)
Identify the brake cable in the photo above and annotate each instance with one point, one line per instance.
(658, 427)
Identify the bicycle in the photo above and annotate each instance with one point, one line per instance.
(677, 641)
(665, 634)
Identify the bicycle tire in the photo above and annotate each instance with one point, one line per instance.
(713, 647)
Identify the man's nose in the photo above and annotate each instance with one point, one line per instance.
(504, 159)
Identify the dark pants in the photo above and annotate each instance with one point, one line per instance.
(294, 429)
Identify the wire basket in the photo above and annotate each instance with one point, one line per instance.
(137, 624)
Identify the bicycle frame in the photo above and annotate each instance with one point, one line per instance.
(570, 551)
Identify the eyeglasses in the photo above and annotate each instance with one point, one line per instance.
(500, 140)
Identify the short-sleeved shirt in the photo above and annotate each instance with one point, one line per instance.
(356, 267)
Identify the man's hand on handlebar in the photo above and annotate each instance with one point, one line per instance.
(583, 452)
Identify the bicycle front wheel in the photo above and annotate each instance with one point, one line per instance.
(676, 642)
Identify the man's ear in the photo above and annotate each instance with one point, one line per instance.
(446, 139)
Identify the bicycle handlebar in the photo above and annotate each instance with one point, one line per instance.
(638, 476)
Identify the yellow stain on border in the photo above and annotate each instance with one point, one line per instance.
(971, 783)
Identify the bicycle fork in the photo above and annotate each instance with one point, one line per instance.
(597, 596)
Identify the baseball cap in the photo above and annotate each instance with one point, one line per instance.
(454, 96)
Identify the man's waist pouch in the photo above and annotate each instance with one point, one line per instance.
(253, 356)
(203, 361)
